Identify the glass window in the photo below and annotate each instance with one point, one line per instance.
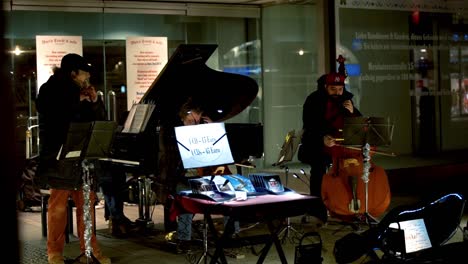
(104, 36)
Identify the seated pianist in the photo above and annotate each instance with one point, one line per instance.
(191, 114)
(187, 78)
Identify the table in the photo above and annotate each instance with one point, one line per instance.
(263, 208)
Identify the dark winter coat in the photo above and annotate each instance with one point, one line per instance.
(315, 126)
(58, 104)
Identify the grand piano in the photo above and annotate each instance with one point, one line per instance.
(220, 95)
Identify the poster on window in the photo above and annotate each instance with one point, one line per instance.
(146, 57)
(50, 51)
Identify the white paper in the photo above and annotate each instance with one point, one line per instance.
(73, 154)
(203, 145)
(416, 236)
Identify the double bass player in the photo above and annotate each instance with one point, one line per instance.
(323, 116)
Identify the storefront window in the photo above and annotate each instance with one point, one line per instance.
(411, 70)
(104, 45)
(459, 80)
(104, 38)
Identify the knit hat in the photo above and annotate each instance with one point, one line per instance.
(335, 78)
(72, 61)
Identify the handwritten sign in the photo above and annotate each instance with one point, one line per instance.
(203, 145)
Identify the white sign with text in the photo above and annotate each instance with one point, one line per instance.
(50, 51)
(146, 57)
(203, 145)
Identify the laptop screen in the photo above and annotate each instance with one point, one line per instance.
(203, 145)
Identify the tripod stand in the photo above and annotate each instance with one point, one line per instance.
(288, 229)
(286, 155)
(205, 253)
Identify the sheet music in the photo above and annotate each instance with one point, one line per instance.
(149, 110)
(138, 118)
(73, 154)
(128, 121)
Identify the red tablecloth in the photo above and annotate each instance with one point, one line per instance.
(259, 207)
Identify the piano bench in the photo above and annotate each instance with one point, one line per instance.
(45, 193)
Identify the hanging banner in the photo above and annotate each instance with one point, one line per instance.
(49, 53)
(146, 57)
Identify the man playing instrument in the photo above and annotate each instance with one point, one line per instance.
(323, 117)
(65, 98)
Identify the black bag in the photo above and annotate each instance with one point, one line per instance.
(29, 186)
(62, 174)
(309, 249)
(69, 174)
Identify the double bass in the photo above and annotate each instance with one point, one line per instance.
(344, 191)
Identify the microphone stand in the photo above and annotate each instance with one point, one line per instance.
(371, 135)
(305, 218)
(365, 178)
(88, 230)
(288, 229)
(287, 152)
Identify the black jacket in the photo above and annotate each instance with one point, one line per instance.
(58, 104)
(315, 126)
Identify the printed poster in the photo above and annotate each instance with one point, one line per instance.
(50, 51)
(146, 57)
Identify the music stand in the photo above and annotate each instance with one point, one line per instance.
(288, 149)
(364, 132)
(88, 141)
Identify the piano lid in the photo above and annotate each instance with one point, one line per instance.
(220, 95)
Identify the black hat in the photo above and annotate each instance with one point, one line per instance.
(72, 61)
